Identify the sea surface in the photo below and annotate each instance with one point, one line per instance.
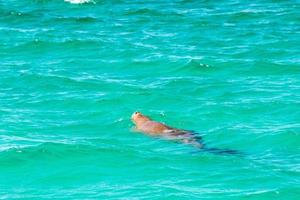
(72, 72)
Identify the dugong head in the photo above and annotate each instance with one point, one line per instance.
(138, 117)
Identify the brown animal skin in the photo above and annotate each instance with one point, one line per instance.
(146, 125)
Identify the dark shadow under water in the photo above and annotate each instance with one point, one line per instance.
(218, 151)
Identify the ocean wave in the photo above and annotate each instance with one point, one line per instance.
(57, 150)
(75, 19)
(59, 43)
(143, 11)
(17, 147)
(159, 34)
(194, 65)
(55, 81)
(80, 1)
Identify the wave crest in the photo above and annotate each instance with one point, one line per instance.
(80, 1)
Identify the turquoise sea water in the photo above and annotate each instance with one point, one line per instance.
(72, 74)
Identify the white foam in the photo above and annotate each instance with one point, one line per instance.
(79, 1)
